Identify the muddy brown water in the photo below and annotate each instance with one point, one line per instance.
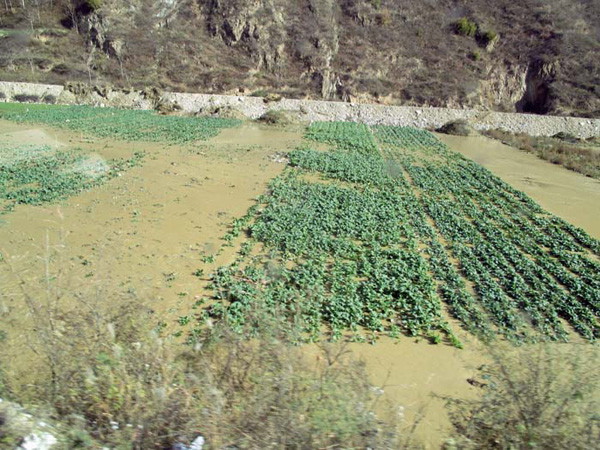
(154, 222)
(146, 231)
(417, 375)
(562, 192)
(142, 233)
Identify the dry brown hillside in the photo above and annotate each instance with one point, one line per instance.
(532, 55)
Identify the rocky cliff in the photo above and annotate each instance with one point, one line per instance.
(529, 56)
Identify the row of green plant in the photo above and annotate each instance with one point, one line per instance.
(129, 125)
(527, 268)
(340, 254)
(398, 222)
(348, 136)
(451, 287)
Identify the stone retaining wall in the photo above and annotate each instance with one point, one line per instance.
(312, 110)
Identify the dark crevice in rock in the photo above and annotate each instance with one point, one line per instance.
(537, 98)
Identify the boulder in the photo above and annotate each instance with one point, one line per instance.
(458, 128)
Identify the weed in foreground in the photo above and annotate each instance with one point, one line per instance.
(543, 397)
(114, 380)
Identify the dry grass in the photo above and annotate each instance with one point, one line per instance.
(112, 378)
(542, 397)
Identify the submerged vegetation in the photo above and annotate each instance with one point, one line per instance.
(372, 236)
(396, 222)
(37, 174)
(34, 175)
(386, 233)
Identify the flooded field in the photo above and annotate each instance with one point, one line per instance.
(145, 233)
(569, 195)
(154, 221)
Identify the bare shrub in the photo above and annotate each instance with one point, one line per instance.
(384, 18)
(543, 397)
(116, 379)
(279, 117)
(266, 394)
(49, 98)
(100, 361)
(164, 106)
(26, 98)
(486, 38)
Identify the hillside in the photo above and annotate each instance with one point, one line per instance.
(531, 56)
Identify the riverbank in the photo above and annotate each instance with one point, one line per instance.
(304, 110)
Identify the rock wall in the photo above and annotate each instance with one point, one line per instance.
(8, 91)
(312, 110)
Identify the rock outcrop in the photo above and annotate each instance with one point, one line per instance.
(256, 26)
(22, 430)
(528, 56)
(538, 85)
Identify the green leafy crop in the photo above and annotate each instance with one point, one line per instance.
(394, 228)
(36, 175)
(129, 125)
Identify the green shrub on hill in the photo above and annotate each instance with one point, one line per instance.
(465, 27)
